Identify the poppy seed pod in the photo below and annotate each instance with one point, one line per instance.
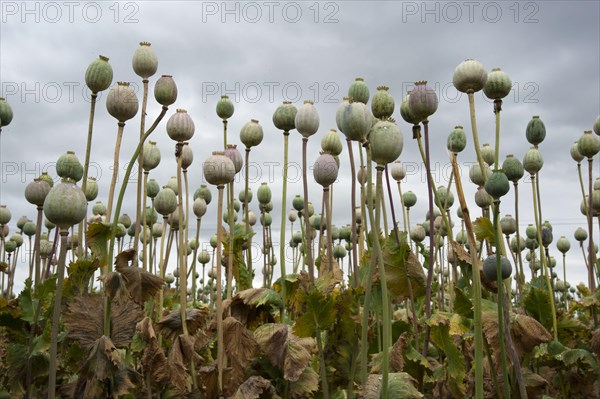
(325, 170)
(144, 61)
(588, 144)
(284, 117)
(386, 142)
(469, 76)
(180, 126)
(405, 111)
(245, 196)
(232, 153)
(580, 234)
(121, 102)
(152, 188)
(356, 121)
(482, 198)
(533, 161)
(204, 193)
(359, 91)
(410, 199)
(508, 225)
(423, 101)
(187, 156)
(292, 215)
(513, 168)
(99, 208)
(382, 105)
(417, 233)
(218, 169)
(298, 203)
(597, 125)
(490, 267)
(172, 184)
(497, 185)
(65, 204)
(225, 108)
(251, 134)
(165, 202)
(99, 75)
(5, 215)
(151, 156)
(487, 153)
(517, 245)
(125, 220)
(306, 119)
(563, 244)
(68, 166)
(498, 85)
(199, 207)
(446, 197)
(476, 176)
(339, 113)
(457, 140)
(331, 143)
(263, 194)
(535, 131)
(36, 192)
(21, 222)
(398, 171)
(165, 90)
(29, 229)
(46, 177)
(91, 189)
(575, 154)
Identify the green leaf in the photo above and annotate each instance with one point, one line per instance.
(98, 236)
(537, 302)
(79, 275)
(318, 312)
(440, 335)
(399, 263)
(462, 303)
(400, 385)
(484, 230)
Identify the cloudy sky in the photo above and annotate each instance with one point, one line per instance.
(261, 53)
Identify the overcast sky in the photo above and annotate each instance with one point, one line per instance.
(261, 53)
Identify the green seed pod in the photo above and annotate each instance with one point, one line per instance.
(498, 85)
(459, 212)
(469, 76)
(46, 177)
(180, 126)
(99, 75)
(169, 278)
(306, 119)
(10, 246)
(157, 230)
(596, 201)
(292, 215)
(17, 238)
(65, 204)
(497, 185)
(552, 265)
(575, 154)
(490, 269)
(172, 184)
(382, 105)
(339, 113)
(520, 242)
(461, 237)
(174, 220)
(325, 170)
(589, 144)
(476, 176)
(165, 90)
(199, 207)
(331, 143)
(68, 166)
(405, 111)
(165, 202)
(203, 192)
(203, 257)
(547, 236)
(311, 209)
(284, 117)
(29, 229)
(151, 216)
(398, 171)
(457, 140)
(410, 199)
(36, 192)
(359, 91)
(482, 198)
(121, 231)
(245, 196)
(531, 244)
(580, 234)
(508, 225)
(125, 220)
(417, 233)
(21, 222)
(232, 153)
(423, 101)
(560, 286)
(339, 252)
(266, 219)
(144, 61)
(533, 161)
(531, 231)
(597, 125)
(584, 205)
(446, 197)
(151, 156)
(263, 193)
(91, 189)
(535, 131)
(121, 102)
(356, 121)
(298, 203)
(225, 108)
(251, 218)
(218, 169)
(152, 188)
(236, 205)
(513, 168)
(99, 208)
(251, 134)
(436, 213)
(386, 142)
(361, 175)
(487, 153)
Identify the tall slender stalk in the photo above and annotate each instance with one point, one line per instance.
(309, 255)
(142, 216)
(283, 218)
(246, 211)
(111, 192)
(521, 274)
(36, 249)
(86, 163)
(220, 344)
(590, 211)
(182, 250)
(56, 314)
(475, 135)
(139, 174)
(326, 192)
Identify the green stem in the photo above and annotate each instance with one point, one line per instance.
(322, 368)
(521, 276)
(246, 212)
(475, 135)
(283, 219)
(111, 192)
(591, 251)
(309, 257)
(56, 314)
(86, 163)
(139, 174)
(220, 343)
(543, 258)
(182, 244)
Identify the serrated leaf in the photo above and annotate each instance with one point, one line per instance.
(98, 236)
(318, 313)
(537, 302)
(400, 385)
(440, 336)
(400, 266)
(484, 230)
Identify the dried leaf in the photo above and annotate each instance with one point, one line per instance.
(460, 252)
(114, 286)
(285, 350)
(400, 385)
(253, 305)
(170, 325)
(179, 376)
(595, 342)
(307, 383)
(396, 354)
(256, 387)
(240, 347)
(154, 362)
(84, 320)
(140, 284)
